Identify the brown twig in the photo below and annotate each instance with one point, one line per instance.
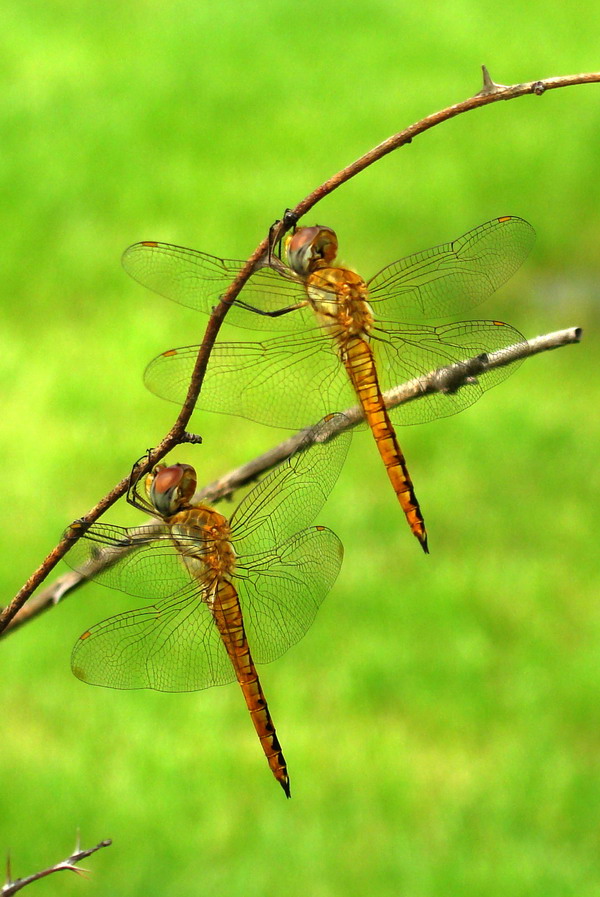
(490, 93)
(12, 886)
(176, 435)
(446, 379)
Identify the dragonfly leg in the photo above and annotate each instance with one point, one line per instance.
(270, 314)
(288, 220)
(134, 496)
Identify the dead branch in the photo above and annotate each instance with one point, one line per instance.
(13, 885)
(444, 380)
(490, 93)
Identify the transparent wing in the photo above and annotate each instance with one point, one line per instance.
(172, 645)
(142, 561)
(292, 381)
(404, 352)
(289, 497)
(452, 278)
(198, 280)
(288, 382)
(281, 590)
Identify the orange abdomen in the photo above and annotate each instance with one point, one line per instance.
(228, 617)
(358, 359)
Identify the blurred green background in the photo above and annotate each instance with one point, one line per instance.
(441, 720)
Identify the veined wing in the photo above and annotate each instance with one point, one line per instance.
(172, 645)
(281, 590)
(452, 278)
(288, 382)
(403, 352)
(142, 561)
(289, 497)
(198, 280)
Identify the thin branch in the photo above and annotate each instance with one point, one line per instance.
(175, 436)
(444, 380)
(12, 886)
(490, 93)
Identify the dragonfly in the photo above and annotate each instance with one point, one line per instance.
(349, 338)
(223, 594)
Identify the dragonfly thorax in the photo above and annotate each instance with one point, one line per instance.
(202, 538)
(339, 298)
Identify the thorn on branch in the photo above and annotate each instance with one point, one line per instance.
(12, 886)
(489, 86)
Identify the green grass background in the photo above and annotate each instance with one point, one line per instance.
(441, 720)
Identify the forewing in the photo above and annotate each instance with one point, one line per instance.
(280, 591)
(198, 280)
(172, 645)
(288, 382)
(405, 352)
(141, 561)
(289, 497)
(454, 277)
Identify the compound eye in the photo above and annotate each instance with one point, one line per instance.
(171, 488)
(310, 245)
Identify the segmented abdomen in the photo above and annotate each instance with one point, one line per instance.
(228, 617)
(358, 359)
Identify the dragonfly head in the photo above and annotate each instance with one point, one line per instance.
(170, 489)
(310, 248)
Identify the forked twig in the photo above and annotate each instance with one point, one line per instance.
(446, 379)
(13, 885)
(490, 93)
